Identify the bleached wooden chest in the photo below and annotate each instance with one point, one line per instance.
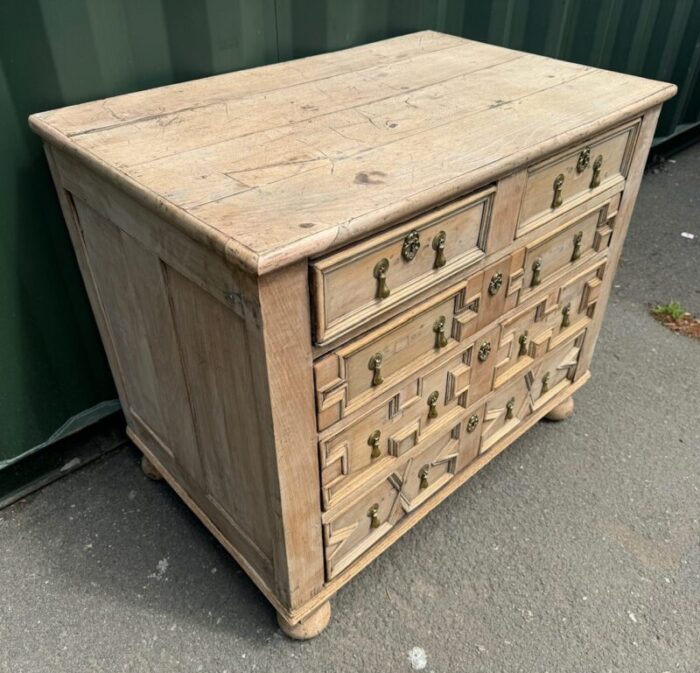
(331, 290)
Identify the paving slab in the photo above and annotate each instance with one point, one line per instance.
(576, 550)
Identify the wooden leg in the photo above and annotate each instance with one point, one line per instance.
(561, 411)
(310, 626)
(150, 470)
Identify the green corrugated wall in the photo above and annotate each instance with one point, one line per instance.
(53, 373)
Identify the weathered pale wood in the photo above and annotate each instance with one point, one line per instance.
(210, 218)
(289, 171)
(562, 411)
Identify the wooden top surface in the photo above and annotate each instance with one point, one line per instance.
(286, 161)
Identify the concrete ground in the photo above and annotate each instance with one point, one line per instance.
(577, 550)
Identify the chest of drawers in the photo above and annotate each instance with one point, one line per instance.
(331, 290)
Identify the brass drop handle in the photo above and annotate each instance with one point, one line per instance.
(439, 329)
(375, 365)
(472, 423)
(423, 476)
(597, 165)
(495, 284)
(545, 384)
(536, 268)
(380, 270)
(484, 351)
(558, 185)
(373, 441)
(439, 247)
(522, 340)
(565, 315)
(432, 404)
(411, 246)
(584, 159)
(373, 514)
(576, 252)
(510, 405)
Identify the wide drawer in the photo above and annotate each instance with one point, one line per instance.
(562, 181)
(360, 522)
(362, 281)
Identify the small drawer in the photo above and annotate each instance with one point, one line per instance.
(385, 432)
(351, 530)
(534, 386)
(366, 369)
(356, 284)
(562, 181)
(568, 246)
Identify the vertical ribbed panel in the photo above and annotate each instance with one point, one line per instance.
(55, 53)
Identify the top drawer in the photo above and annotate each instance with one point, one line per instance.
(368, 278)
(564, 180)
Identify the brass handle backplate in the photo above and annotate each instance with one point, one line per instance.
(522, 341)
(565, 315)
(597, 165)
(576, 252)
(510, 404)
(472, 423)
(439, 247)
(423, 476)
(373, 441)
(375, 365)
(536, 268)
(439, 329)
(373, 514)
(545, 383)
(558, 185)
(495, 284)
(380, 270)
(432, 404)
(584, 158)
(411, 246)
(484, 351)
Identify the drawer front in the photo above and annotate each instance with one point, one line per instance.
(557, 183)
(529, 391)
(383, 433)
(352, 528)
(354, 285)
(350, 532)
(561, 251)
(356, 374)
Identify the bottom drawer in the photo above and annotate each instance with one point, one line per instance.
(351, 529)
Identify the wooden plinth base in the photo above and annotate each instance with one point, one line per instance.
(561, 411)
(310, 626)
(150, 470)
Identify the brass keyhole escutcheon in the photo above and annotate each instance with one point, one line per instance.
(423, 476)
(584, 158)
(536, 268)
(373, 514)
(381, 269)
(545, 383)
(484, 351)
(565, 315)
(439, 247)
(375, 364)
(439, 329)
(558, 185)
(472, 423)
(576, 252)
(522, 341)
(597, 165)
(510, 405)
(411, 246)
(373, 441)
(432, 404)
(495, 283)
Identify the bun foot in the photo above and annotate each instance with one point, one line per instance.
(561, 411)
(150, 470)
(310, 626)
